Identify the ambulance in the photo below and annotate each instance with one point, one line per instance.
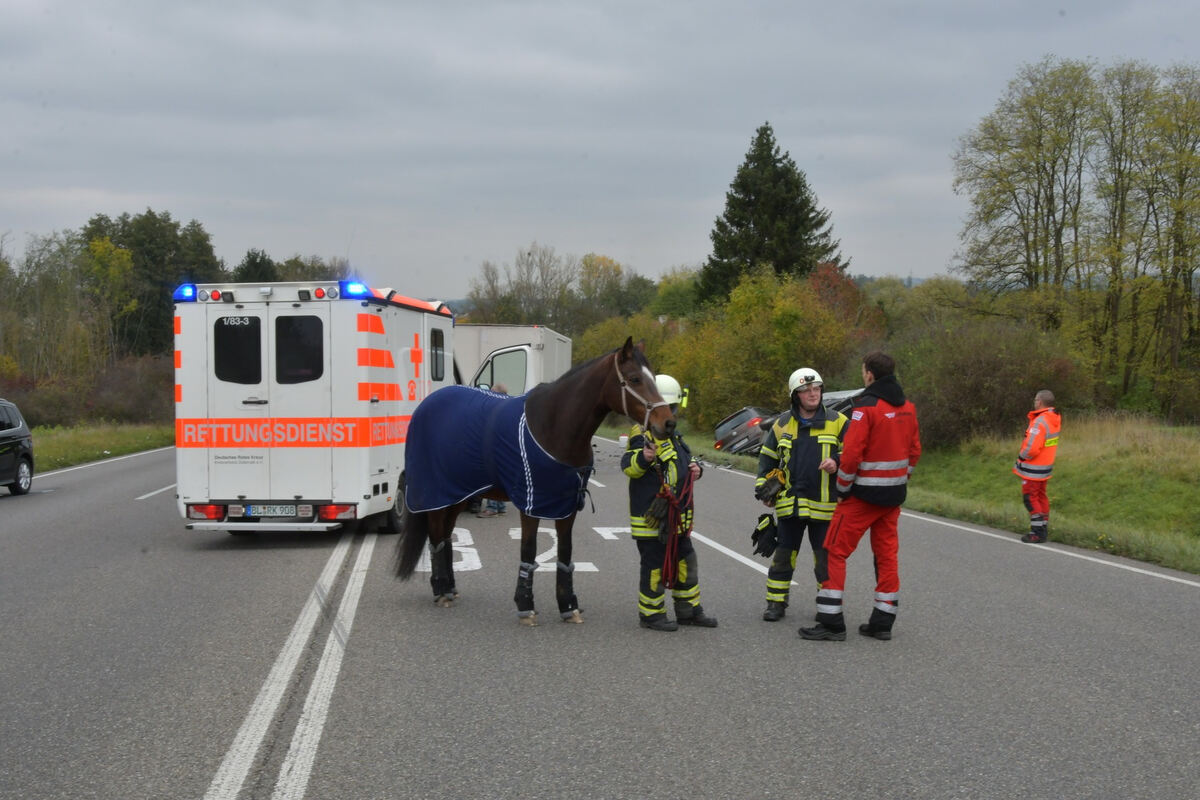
(293, 401)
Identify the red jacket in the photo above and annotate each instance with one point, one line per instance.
(882, 445)
(1035, 462)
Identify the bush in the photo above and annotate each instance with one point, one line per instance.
(135, 390)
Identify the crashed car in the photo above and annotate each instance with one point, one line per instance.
(740, 431)
(743, 431)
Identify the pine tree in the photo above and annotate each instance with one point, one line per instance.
(771, 217)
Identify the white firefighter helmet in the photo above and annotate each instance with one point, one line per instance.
(803, 378)
(668, 387)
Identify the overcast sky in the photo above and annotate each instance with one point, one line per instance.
(419, 139)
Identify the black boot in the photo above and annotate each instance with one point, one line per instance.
(775, 611)
(688, 614)
(879, 626)
(824, 632)
(658, 622)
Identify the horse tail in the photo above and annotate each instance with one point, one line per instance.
(411, 544)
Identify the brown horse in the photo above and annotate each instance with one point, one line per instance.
(534, 451)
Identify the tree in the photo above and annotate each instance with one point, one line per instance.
(771, 217)
(256, 267)
(537, 289)
(163, 257)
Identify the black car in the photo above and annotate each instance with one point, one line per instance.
(16, 450)
(743, 431)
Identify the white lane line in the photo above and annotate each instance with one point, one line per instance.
(595, 482)
(156, 491)
(1050, 549)
(105, 461)
(227, 783)
(297, 765)
(731, 553)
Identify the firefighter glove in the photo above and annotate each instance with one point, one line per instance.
(771, 486)
(765, 536)
(656, 514)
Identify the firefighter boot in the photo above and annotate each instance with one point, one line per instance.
(879, 626)
(689, 614)
(829, 627)
(658, 622)
(775, 611)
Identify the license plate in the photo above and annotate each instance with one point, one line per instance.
(270, 511)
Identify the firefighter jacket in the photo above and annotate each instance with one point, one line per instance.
(1036, 459)
(672, 464)
(796, 446)
(882, 445)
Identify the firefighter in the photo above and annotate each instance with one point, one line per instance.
(882, 446)
(795, 468)
(1035, 462)
(650, 463)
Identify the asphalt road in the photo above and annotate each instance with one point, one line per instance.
(142, 660)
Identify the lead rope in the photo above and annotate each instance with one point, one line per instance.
(676, 507)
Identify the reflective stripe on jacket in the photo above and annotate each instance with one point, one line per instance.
(645, 479)
(1035, 461)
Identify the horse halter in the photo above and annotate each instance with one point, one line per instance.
(625, 387)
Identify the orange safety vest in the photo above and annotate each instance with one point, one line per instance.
(1036, 459)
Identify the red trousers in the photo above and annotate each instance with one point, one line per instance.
(1033, 493)
(850, 521)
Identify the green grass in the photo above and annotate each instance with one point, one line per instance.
(1122, 484)
(56, 447)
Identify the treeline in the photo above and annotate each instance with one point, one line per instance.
(1084, 189)
(85, 315)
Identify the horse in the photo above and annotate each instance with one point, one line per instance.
(532, 450)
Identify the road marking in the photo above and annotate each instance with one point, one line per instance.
(105, 461)
(595, 482)
(610, 533)
(227, 783)
(1049, 549)
(736, 556)
(156, 491)
(297, 765)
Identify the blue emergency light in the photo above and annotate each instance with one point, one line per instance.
(354, 289)
(186, 293)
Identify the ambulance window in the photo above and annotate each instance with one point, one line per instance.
(437, 354)
(299, 349)
(237, 349)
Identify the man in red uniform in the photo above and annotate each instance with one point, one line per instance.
(882, 446)
(1035, 462)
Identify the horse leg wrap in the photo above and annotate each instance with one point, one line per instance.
(564, 589)
(524, 595)
(440, 577)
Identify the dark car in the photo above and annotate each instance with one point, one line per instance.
(740, 431)
(16, 450)
(744, 431)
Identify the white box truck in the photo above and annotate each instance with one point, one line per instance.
(518, 357)
(293, 401)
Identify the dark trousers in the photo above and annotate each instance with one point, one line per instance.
(783, 563)
(651, 592)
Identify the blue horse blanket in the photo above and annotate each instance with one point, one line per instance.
(462, 441)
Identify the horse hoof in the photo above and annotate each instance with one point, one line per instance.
(528, 621)
(444, 601)
(575, 617)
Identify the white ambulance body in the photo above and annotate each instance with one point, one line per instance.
(293, 401)
(517, 356)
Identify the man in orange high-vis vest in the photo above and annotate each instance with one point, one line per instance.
(1035, 462)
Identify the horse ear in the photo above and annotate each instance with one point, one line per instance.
(627, 348)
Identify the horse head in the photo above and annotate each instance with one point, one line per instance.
(639, 398)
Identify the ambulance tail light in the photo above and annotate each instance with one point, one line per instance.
(337, 511)
(206, 511)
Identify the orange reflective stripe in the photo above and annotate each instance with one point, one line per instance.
(374, 357)
(379, 391)
(178, 393)
(291, 432)
(370, 323)
(177, 325)
(178, 358)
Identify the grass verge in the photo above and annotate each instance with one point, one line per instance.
(57, 447)
(1122, 484)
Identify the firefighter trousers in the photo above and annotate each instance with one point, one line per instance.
(652, 598)
(783, 564)
(851, 520)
